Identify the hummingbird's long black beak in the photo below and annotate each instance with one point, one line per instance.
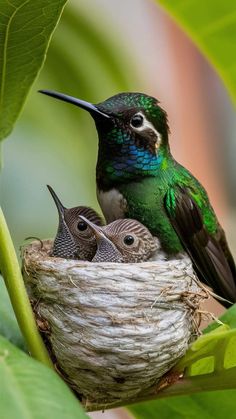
(78, 102)
(60, 207)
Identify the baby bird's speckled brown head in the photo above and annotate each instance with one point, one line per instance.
(125, 240)
(74, 239)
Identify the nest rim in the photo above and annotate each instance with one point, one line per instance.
(39, 252)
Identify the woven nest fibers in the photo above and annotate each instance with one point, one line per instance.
(113, 329)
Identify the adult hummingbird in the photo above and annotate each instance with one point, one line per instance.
(74, 240)
(137, 177)
(125, 240)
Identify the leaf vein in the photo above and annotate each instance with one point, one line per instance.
(4, 63)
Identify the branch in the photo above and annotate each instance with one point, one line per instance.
(183, 387)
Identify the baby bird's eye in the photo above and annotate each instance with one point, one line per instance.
(137, 121)
(82, 226)
(129, 240)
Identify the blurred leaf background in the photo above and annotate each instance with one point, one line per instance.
(99, 49)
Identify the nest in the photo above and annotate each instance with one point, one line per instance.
(113, 329)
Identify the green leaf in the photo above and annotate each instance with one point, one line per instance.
(29, 390)
(8, 324)
(212, 26)
(26, 27)
(210, 362)
(213, 354)
(229, 318)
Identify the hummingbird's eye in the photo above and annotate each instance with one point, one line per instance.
(129, 240)
(136, 121)
(82, 226)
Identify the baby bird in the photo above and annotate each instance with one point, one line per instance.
(74, 240)
(126, 241)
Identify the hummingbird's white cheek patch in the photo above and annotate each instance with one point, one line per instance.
(148, 126)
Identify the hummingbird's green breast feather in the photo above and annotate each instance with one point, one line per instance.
(146, 203)
(142, 198)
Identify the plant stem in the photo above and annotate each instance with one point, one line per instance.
(20, 302)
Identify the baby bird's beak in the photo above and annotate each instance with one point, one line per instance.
(106, 250)
(60, 207)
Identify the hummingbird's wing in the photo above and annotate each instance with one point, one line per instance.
(210, 254)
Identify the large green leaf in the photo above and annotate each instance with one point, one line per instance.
(8, 324)
(29, 390)
(212, 26)
(26, 27)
